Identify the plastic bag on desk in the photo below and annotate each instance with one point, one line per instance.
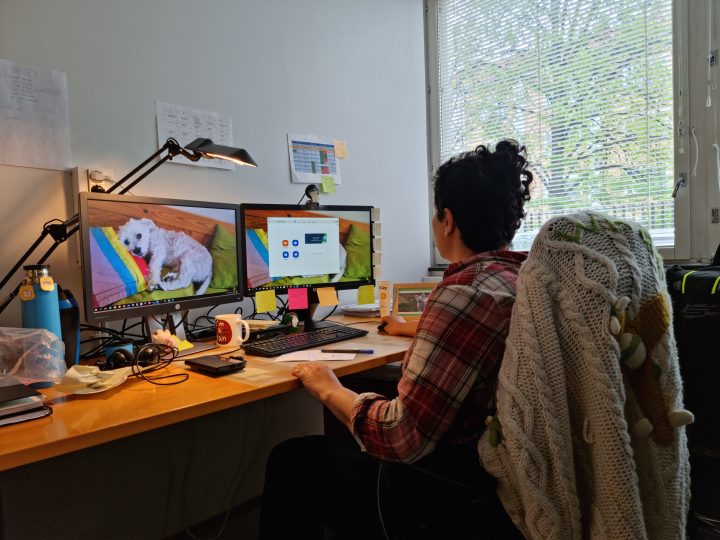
(30, 355)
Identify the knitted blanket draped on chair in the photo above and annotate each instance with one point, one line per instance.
(588, 441)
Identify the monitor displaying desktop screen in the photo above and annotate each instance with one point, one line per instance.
(288, 246)
(144, 256)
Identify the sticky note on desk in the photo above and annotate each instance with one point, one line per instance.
(297, 298)
(328, 184)
(265, 301)
(327, 296)
(366, 294)
(184, 345)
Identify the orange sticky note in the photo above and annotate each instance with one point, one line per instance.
(366, 294)
(327, 296)
(297, 298)
(328, 184)
(340, 149)
(265, 301)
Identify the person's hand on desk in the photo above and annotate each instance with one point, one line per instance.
(323, 385)
(317, 378)
(398, 326)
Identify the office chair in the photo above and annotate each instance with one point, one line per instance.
(589, 439)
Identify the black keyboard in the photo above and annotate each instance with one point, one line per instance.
(321, 334)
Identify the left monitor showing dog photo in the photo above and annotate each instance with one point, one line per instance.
(145, 256)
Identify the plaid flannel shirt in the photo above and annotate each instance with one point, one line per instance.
(449, 372)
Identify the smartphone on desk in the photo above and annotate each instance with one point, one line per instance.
(216, 365)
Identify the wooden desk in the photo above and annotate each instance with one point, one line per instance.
(81, 421)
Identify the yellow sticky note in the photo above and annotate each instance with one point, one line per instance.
(340, 149)
(327, 296)
(328, 184)
(265, 301)
(366, 294)
(184, 345)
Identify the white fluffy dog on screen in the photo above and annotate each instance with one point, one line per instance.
(185, 259)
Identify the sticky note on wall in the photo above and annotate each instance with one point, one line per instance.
(340, 149)
(328, 184)
(375, 214)
(376, 229)
(377, 244)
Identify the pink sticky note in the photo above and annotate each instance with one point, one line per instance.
(297, 298)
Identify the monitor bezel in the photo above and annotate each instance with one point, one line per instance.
(180, 305)
(248, 291)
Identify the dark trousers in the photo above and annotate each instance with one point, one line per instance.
(320, 483)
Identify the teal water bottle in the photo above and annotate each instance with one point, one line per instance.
(39, 304)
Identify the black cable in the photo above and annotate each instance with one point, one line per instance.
(331, 312)
(164, 355)
(55, 220)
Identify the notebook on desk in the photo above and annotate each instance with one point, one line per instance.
(19, 403)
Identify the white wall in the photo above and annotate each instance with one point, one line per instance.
(345, 69)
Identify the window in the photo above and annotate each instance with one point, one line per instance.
(586, 85)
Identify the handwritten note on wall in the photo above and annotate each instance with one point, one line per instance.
(186, 124)
(34, 126)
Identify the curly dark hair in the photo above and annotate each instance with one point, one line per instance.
(486, 191)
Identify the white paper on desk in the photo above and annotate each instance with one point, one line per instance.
(313, 355)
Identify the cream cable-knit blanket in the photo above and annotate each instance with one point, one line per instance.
(568, 466)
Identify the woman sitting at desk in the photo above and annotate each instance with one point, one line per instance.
(448, 379)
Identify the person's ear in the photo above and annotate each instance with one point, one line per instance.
(448, 222)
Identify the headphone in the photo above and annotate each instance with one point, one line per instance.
(120, 353)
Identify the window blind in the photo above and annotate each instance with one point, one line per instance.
(586, 85)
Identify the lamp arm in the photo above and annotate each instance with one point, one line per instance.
(60, 232)
(132, 173)
(24, 258)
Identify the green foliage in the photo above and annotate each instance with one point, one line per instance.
(586, 85)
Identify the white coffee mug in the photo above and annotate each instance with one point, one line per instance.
(229, 329)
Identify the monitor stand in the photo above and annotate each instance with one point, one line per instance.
(305, 316)
(174, 323)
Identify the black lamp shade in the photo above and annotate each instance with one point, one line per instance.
(209, 149)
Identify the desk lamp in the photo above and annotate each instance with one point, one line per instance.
(194, 151)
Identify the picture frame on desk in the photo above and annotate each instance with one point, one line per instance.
(409, 299)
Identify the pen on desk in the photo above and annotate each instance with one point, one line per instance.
(358, 351)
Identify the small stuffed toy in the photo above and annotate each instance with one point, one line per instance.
(290, 318)
(164, 337)
(637, 339)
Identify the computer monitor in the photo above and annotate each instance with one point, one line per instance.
(144, 256)
(291, 246)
